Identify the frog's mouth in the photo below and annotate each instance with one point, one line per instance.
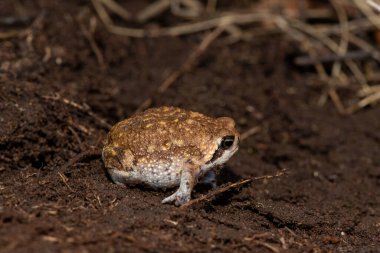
(232, 152)
(218, 153)
(223, 154)
(235, 149)
(220, 157)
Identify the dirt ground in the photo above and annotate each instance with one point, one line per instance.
(328, 202)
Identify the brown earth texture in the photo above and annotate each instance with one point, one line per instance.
(55, 89)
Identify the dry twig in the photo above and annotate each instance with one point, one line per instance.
(343, 45)
(76, 125)
(337, 101)
(351, 55)
(329, 44)
(117, 9)
(249, 132)
(186, 8)
(152, 10)
(64, 180)
(366, 91)
(84, 108)
(178, 30)
(94, 154)
(374, 5)
(243, 182)
(312, 37)
(89, 35)
(365, 8)
(370, 99)
(11, 34)
(268, 246)
(185, 67)
(76, 136)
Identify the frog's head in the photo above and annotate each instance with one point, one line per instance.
(227, 142)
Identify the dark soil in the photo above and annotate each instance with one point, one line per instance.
(329, 201)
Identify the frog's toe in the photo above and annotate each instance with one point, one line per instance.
(179, 198)
(169, 199)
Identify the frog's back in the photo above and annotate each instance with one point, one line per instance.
(162, 131)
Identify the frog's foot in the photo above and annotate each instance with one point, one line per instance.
(179, 198)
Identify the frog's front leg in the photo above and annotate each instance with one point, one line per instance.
(187, 183)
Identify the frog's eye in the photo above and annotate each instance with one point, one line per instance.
(227, 141)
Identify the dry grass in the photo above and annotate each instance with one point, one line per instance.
(336, 43)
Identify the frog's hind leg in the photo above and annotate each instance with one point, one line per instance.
(118, 163)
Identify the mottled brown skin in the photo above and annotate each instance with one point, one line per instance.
(167, 146)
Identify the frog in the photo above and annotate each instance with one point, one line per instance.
(167, 147)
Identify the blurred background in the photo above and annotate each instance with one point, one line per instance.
(301, 78)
